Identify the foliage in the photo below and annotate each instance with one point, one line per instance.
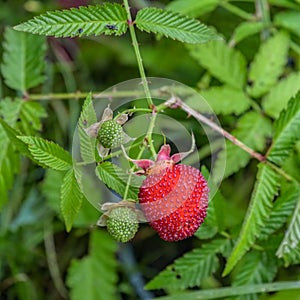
(241, 57)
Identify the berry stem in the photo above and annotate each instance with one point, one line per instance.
(138, 54)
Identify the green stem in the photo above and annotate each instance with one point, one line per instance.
(82, 95)
(237, 11)
(138, 54)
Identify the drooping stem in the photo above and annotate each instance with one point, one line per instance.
(138, 54)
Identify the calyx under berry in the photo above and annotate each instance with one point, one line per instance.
(109, 132)
(121, 219)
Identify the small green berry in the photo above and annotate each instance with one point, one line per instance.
(110, 134)
(122, 223)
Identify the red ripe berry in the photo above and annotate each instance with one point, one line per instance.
(173, 197)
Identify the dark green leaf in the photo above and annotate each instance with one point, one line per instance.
(109, 19)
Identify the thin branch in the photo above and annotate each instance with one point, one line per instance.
(179, 103)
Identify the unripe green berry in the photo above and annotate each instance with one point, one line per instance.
(122, 223)
(110, 134)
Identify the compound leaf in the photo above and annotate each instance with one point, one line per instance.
(282, 209)
(223, 62)
(191, 269)
(268, 64)
(290, 244)
(109, 19)
(23, 60)
(259, 210)
(226, 100)
(287, 132)
(280, 94)
(256, 267)
(174, 25)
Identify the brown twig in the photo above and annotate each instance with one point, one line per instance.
(177, 102)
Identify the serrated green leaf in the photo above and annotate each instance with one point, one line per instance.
(174, 25)
(109, 19)
(268, 64)
(245, 30)
(223, 62)
(253, 129)
(259, 210)
(291, 241)
(278, 97)
(71, 198)
(86, 119)
(256, 267)
(225, 100)
(283, 208)
(51, 189)
(95, 276)
(191, 269)
(48, 153)
(287, 132)
(27, 113)
(193, 8)
(116, 178)
(23, 60)
(289, 20)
